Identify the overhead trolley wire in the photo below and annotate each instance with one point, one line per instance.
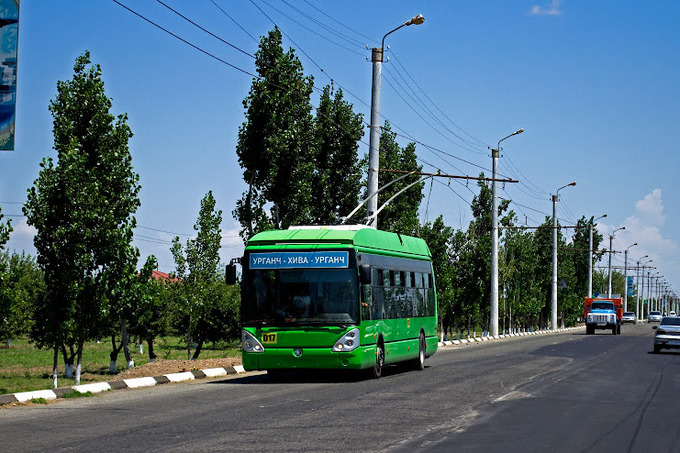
(215, 57)
(204, 51)
(303, 26)
(415, 100)
(431, 148)
(344, 89)
(480, 142)
(338, 22)
(337, 33)
(234, 21)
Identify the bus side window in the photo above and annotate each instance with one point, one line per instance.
(392, 279)
(366, 301)
(429, 295)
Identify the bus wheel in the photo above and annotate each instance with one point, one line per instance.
(420, 361)
(379, 361)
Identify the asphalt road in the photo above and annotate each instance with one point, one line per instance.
(557, 392)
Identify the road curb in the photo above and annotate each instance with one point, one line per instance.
(97, 387)
(484, 339)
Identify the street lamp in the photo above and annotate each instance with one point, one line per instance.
(374, 139)
(644, 265)
(494, 236)
(625, 277)
(553, 315)
(590, 258)
(637, 298)
(611, 238)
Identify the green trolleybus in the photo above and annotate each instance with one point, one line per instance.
(342, 297)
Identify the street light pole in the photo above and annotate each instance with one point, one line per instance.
(553, 311)
(625, 278)
(374, 138)
(637, 290)
(590, 258)
(611, 238)
(494, 237)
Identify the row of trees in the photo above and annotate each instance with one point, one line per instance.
(85, 283)
(303, 169)
(299, 167)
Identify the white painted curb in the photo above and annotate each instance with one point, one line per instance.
(215, 372)
(27, 396)
(94, 387)
(179, 377)
(140, 382)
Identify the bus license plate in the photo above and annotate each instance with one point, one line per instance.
(269, 338)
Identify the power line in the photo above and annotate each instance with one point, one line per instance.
(205, 30)
(234, 21)
(322, 70)
(481, 143)
(302, 25)
(215, 57)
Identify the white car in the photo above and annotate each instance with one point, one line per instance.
(628, 316)
(667, 333)
(654, 316)
(672, 313)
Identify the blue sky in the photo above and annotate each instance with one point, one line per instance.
(594, 85)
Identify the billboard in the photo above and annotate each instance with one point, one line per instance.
(631, 286)
(9, 41)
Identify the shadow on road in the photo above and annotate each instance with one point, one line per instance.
(314, 376)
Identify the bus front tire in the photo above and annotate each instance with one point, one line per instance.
(419, 363)
(379, 361)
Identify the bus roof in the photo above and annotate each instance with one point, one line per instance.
(359, 237)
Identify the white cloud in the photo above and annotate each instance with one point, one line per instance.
(645, 227)
(21, 237)
(552, 10)
(651, 208)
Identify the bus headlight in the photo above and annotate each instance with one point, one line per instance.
(348, 342)
(250, 343)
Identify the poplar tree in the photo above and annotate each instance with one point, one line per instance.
(82, 208)
(336, 184)
(401, 214)
(275, 144)
(197, 269)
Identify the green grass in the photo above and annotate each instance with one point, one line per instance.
(77, 394)
(23, 367)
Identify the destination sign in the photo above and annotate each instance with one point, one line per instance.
(294, 260)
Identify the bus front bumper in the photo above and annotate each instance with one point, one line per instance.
(308, 359)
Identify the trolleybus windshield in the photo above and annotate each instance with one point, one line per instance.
(276, 295)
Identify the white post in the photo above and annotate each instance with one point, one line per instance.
(553, 315)
(590, 263)
(494, 245)
(625, 280)
(609, 290)
(374, 138)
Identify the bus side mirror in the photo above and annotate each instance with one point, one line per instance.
(365, 274)
(230, 274)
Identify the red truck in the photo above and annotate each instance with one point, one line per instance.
(603, 313)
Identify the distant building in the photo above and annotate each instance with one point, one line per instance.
(163, 277)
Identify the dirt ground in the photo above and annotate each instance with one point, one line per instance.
(161, 367)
